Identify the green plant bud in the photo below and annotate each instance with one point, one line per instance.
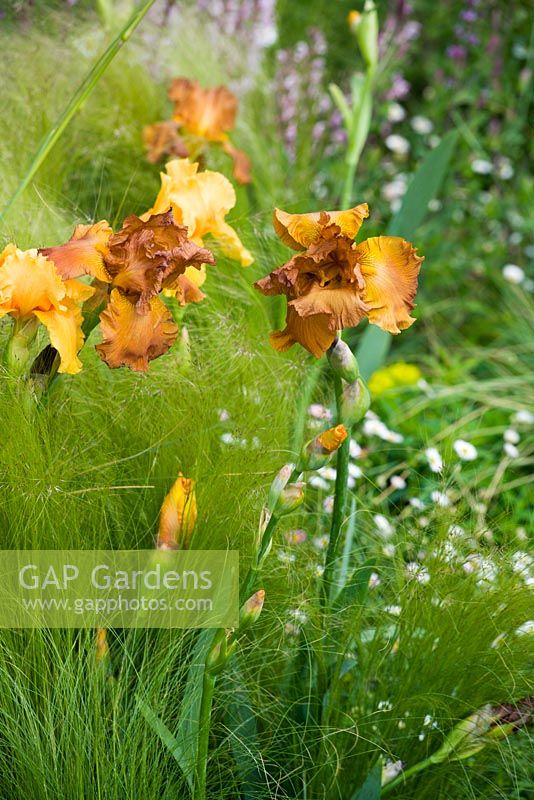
(343, 361)
(220, 653)
(278, 485)
(251, 609)
(18, 353)
(290, 498)
(355, 402)
(365, 28)
(488, 724)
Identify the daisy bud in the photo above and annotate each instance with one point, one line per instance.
(251, 610)
(365, 28)
(355, 402)
(342, 361)
(178, 515)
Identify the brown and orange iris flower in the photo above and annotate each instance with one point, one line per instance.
(333, 283)
(200, 116)
(200, 201)
(32, 288)
(139, 262)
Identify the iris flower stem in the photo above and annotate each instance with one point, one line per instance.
(77, 101)
(340, 501)
(209, 680)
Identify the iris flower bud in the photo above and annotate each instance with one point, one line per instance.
(251, 609)
(343, 361)
(365, 28)
(355, 402)
(318, 452)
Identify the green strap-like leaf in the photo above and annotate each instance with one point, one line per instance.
(426, 183)
(371, 788)
(183, 744)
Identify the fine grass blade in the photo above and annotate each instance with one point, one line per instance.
(77, 101)
(375, 343)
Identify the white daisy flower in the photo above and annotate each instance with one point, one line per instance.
(391, 769)
(395, 112)
(525, 628)
(397, 482)
(465, 450)
(511, 450)
(417, 503)
(513, 274)
(421, 125)
(397, 144)
(318, 483)
(355, 471)
(321, 542)
(510, 435)
(384, 526)
(523, 417)
(395, 611)
(374, 580)
(435, 462)
(328, 473)
(481, 166)
(441, 499)
(354, 449)
(328, 504)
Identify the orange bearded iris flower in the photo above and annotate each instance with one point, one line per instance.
(201, 116)
(200, 201)
(333, 283)
(31, 287)
(143, 259)
(84, 253)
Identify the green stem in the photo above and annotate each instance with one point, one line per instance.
(77, 101)
(208, 686)
(408, 773)
(340, 501)
(204, 720)
(359, 130)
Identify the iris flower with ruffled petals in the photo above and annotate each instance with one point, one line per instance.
(200, 116)
(31, 287)
(200, 201)
(332, 283)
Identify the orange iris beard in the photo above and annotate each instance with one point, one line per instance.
(333, 283)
